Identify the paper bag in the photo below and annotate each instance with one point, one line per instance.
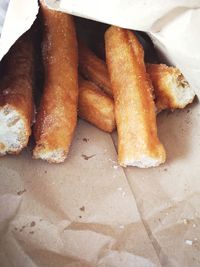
(89, 211)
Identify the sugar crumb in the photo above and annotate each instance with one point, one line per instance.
(189, 242)
(123, 194)
(113, 161)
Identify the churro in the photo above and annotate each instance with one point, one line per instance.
(57, 115)
(95, 106)
(170, 87)
(16, 99)
(138, 143)
(93, 68)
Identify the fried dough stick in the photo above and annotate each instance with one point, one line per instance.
(138, 143)
(57, 115)
(16, 96)
(95, 106)
(170, 87)
(93, 68)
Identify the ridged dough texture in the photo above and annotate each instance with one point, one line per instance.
(138, 143)
(57, 115)
(96, 107)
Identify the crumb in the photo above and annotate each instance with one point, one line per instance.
(113, 161)
(123, 194)
(21, 230)
(119, 188)
(80, 216)
(15, 228)
(45, 171)
(85, 139)
(165, 169)
(31, 232)
(115, 167)
(40, 220)
(82, 208)
(188, 110)
(189, 242)
(194, 225)
(21, 192)
(32, 224)
(87, 157)
(121, 226)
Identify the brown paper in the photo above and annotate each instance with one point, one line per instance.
(80, 212)
(168, 197)
(89, 211)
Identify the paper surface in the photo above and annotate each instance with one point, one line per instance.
(79, 212)
(93, 212)
(19, 17)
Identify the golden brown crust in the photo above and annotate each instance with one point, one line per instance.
(16, 86)
(57, 116)
(93, 68)
(95, 106)
(134, 106)
(164, 79)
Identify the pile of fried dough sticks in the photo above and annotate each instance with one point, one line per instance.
(122, 92)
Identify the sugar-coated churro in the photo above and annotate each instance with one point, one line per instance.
(93, 68)
(95, 106)
(57, 115)
(138, 143)
(170, 87)
(16, 96)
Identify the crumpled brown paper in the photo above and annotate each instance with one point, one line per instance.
(79, 213)
(88, 211)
